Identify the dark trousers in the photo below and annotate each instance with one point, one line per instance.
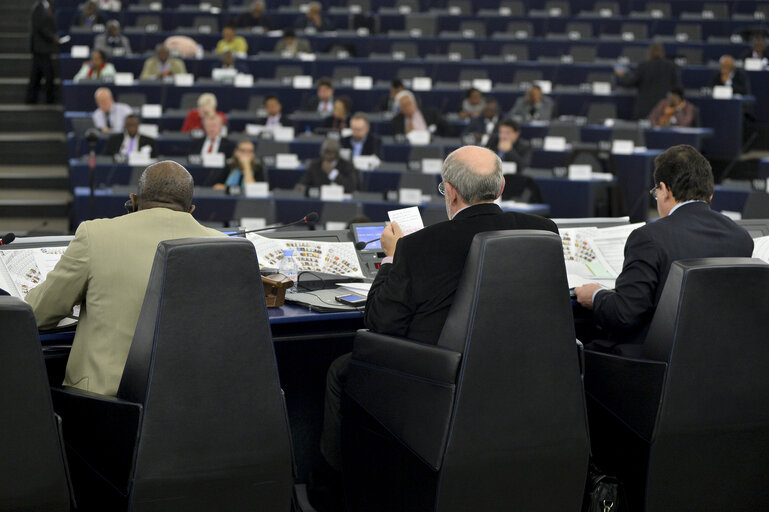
(42, 67)
(331, 437)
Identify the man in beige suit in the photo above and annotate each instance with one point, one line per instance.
(106, 269)
(162, 65)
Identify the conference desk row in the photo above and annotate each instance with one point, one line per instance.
(725, 117)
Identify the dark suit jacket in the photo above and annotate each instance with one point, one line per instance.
(43, 39)
(692, 231)
(371, 146)
(478, 125)
(740, 81)
(654, 79)
(432, 117)
(315, 177)
(225, 146)
(112, 146)
(520, 153)
(283, 120)
(412, 296)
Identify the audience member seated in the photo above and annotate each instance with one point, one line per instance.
(109, 115)
(653, 78)
(330, 169)
(388, 103)
(674, 111)
(231, 42)
(340, 118)
(688, 228)
(275, 117)
(411, 117)
(183, 46)
(206, 107)
(313, 19)
(89, 16)
(732, 76)
(107, 266)
(472, 105)
(130, 141)
(97, 68)
(323, 101)
(758, 49)
(256, 17)
(414, 288)
(534, 106)
(242, 168)
(214, 141)
(228, 61)
(290, 45)
(112, 43)
(362, 142)
(509, 145)
(162, 65)
(484, 126)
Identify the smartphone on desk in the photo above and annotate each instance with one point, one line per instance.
(351, 300)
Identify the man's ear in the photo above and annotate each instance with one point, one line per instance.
(134, 202)
(502, 188)
(192, 208)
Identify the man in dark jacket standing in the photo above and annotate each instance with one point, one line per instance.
(654, 78)
(44, 41)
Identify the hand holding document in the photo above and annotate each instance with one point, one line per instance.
(409, 219)
(595, 255)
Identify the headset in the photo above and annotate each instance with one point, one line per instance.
(129, 206)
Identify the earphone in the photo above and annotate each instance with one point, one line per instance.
(129, 206)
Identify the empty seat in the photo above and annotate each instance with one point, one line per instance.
(339, 212)
(470, 74)
(579, 30)
(583, 53)
(688, 31)
(80, 125)
(612, 7)
(635, 31)
(287, 71)
(717, 9)
(599, 76)
(409, 50)
(424, 24)
(32, 465)
(633, 132)
(635, 54)
(519, 51)
(597, 113)
(133, 99)
(255, 208)
(566, 129)
(527, 76)
(473, 28)
(465, 50)
(255, 102)
(267, 147)
(587, 158)
(563, 8)
(427, 183)
(345, 73)
(419, 153)
(464, 6)
(660, 7)
(408, 73)
(189, 100)
(149, 22)
(521, 29)
(515, 7)
(413, 5)
(689, 56)
(206, 24)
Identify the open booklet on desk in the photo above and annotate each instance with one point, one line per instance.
(595, 255)
(338, 258)
(23, 269)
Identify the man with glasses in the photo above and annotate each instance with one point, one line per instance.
(688, 228)
(414, 288)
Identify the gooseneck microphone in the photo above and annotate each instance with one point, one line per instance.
(7, 239)
(359, 246)
(310, 218)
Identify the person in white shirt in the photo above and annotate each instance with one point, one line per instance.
(130, 141)
(274, 110)
(214, 141)
(109, 115)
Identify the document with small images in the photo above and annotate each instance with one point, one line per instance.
(339, 258)
(595, 255)
(23, 269)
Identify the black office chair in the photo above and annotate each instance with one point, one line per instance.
(756, 206)
(686, 426)
(339, 211)
(521, 188)
(493, 416)
(198, 423)
(33, 473)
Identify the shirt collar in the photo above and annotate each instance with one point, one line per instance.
(676, 207)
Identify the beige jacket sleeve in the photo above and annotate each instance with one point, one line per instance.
(65, 285)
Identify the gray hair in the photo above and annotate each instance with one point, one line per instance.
(472, 186)
(330, 144)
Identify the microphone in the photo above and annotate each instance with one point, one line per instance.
(359, 246)
(7, 239)
(310, 218)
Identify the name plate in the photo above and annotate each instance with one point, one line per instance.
(149, 130)
(545, 85)
(306, 57)
(509, 167)
(302, 82)
(410, 196)
(283, 133)
(432, 165)
(184, 80)
(213, 160)
(258, 189)
(253, 223)
(286, 161)
(752, 64)
(622, 147)
(554, 144)
(335, 225)
(422, 83)
(331, 193)
(152, 111)
(419, 137)
(482, 84)
(223, 73)
(254, 129)
(80, 51)
(580, 172)
(362, 83)
(722, 92)
(366, 162)
(139, 159)
(601, 88)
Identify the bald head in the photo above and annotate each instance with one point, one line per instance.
(475, 175)
(103, 98)
(165, 184)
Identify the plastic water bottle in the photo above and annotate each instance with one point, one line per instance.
(289, 269)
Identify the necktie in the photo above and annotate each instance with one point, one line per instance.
(130, 146)
(106, 118)
(210, 147)
(409, 126)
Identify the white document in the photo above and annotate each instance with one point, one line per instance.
(184, 80)
(432, 165)
(338, 258)
(602, 250)
(409, 219)
(761, 248)
(152, 111)
(356, 288)
(554, 144)
(244, 80)
(722, 92)
(259, 189)
(410, 196)
(362, 83)
(125, 79)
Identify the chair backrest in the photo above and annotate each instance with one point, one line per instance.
(522, 28)
(566, 129)
(477, 28)
(511, 319)
(583, 53)
(427, 183)
(639, 31)
(465, 50)
(255, 208)
(32, 467)
(663, 7)
(597, 113)
(339, 211)
(756, 206)
(520, 51)
(426, 24)
(255, 102)
(214, 431)
(206, 24)
(579, 29)
(149, 22)
(409, 50)
(607, 6)
(711, 438)
(527, 76)
(693, 32)
(562, 6)
(516, 7)
(189, 100)
(133, 99)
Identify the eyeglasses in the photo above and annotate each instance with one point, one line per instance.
(442, 188)
(653, 191)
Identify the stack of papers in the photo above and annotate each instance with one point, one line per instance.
(339, 258)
